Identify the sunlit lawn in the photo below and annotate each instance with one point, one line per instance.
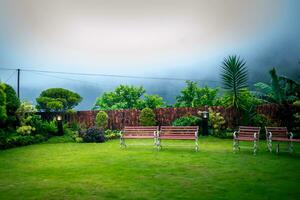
(104, 171)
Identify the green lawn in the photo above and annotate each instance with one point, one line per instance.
(103, 171)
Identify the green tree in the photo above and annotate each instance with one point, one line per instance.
(123, 97)
(234, 77)
(147, 117)
(3, 115)
(57, 99)
(12, 104)
(102, 120)
(194, 96)
(280, 90)
(151, 101)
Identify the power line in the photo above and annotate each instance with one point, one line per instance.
(112, 75)
(11, 75)
(116, 75)
(69, 79)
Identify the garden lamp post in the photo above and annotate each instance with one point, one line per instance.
(204, 115)
(60, 130)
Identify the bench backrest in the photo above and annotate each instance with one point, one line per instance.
(277, 131)
(248, 131)
(178, 130)
(140, 130)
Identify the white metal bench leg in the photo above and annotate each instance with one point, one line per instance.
(291, 147)
(255, 147)
(122, 143)
(196, 145)
(277, 148)
(269, 145)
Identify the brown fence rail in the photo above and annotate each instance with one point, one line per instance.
(281, 114)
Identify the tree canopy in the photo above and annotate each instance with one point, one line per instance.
(126, 97)
(194, 96)
(280, 90)
(57, 99)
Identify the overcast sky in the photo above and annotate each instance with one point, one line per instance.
(176, 38)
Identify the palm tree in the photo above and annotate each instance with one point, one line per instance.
(234, 77)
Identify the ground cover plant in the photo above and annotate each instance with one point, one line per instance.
(104, 171)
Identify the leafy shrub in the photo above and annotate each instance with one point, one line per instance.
(92, 134)
(147, 117)
(14, 140)
(112, 134)
(102, 119)
(12, 104)
(3, 115)
(187, 121)
(217, 122)
(43, 127)
(25, 130)
(261, 120)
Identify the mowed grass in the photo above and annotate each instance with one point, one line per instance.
(104, 171)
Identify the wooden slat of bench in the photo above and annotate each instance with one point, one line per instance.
(278, 131)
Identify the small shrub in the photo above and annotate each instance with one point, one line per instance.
(102, 120)
(25, 130)
(112, 134)
(147, 117)
(42, 127)
(217, 122)
(92, 134)
(187, 121)
(261, 120)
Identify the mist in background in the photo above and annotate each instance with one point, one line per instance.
(175, 39)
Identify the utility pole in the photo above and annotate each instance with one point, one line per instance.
(18, 84)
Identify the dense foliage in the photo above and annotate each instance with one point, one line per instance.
(147, 117)
(194, 96)
(187, 121)
(57, 99)
(151, 101)
(280, 90)
(12, 104)
(217, 123)
(127, 97)
(92, 134)
(102, 120)
(3, 115)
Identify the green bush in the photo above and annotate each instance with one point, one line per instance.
(102, 120)
(12, 104)
(25, 130)
(217, 122)
(112, 134)
(3, 115)
(92, 134)
(147, 117)
(261, 120)
(187, 121)
(15, 140)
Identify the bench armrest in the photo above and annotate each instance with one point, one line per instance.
(269, 135)
(255, 135)
(291, 135)
(235, 134)
(196, 134)
(157, 133)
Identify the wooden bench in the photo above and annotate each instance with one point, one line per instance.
(178, 133)
(138, 132)
(279, 134)
(246, 133)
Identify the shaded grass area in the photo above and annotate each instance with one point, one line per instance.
(104, 171)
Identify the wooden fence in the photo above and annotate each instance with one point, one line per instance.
(281, 114)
